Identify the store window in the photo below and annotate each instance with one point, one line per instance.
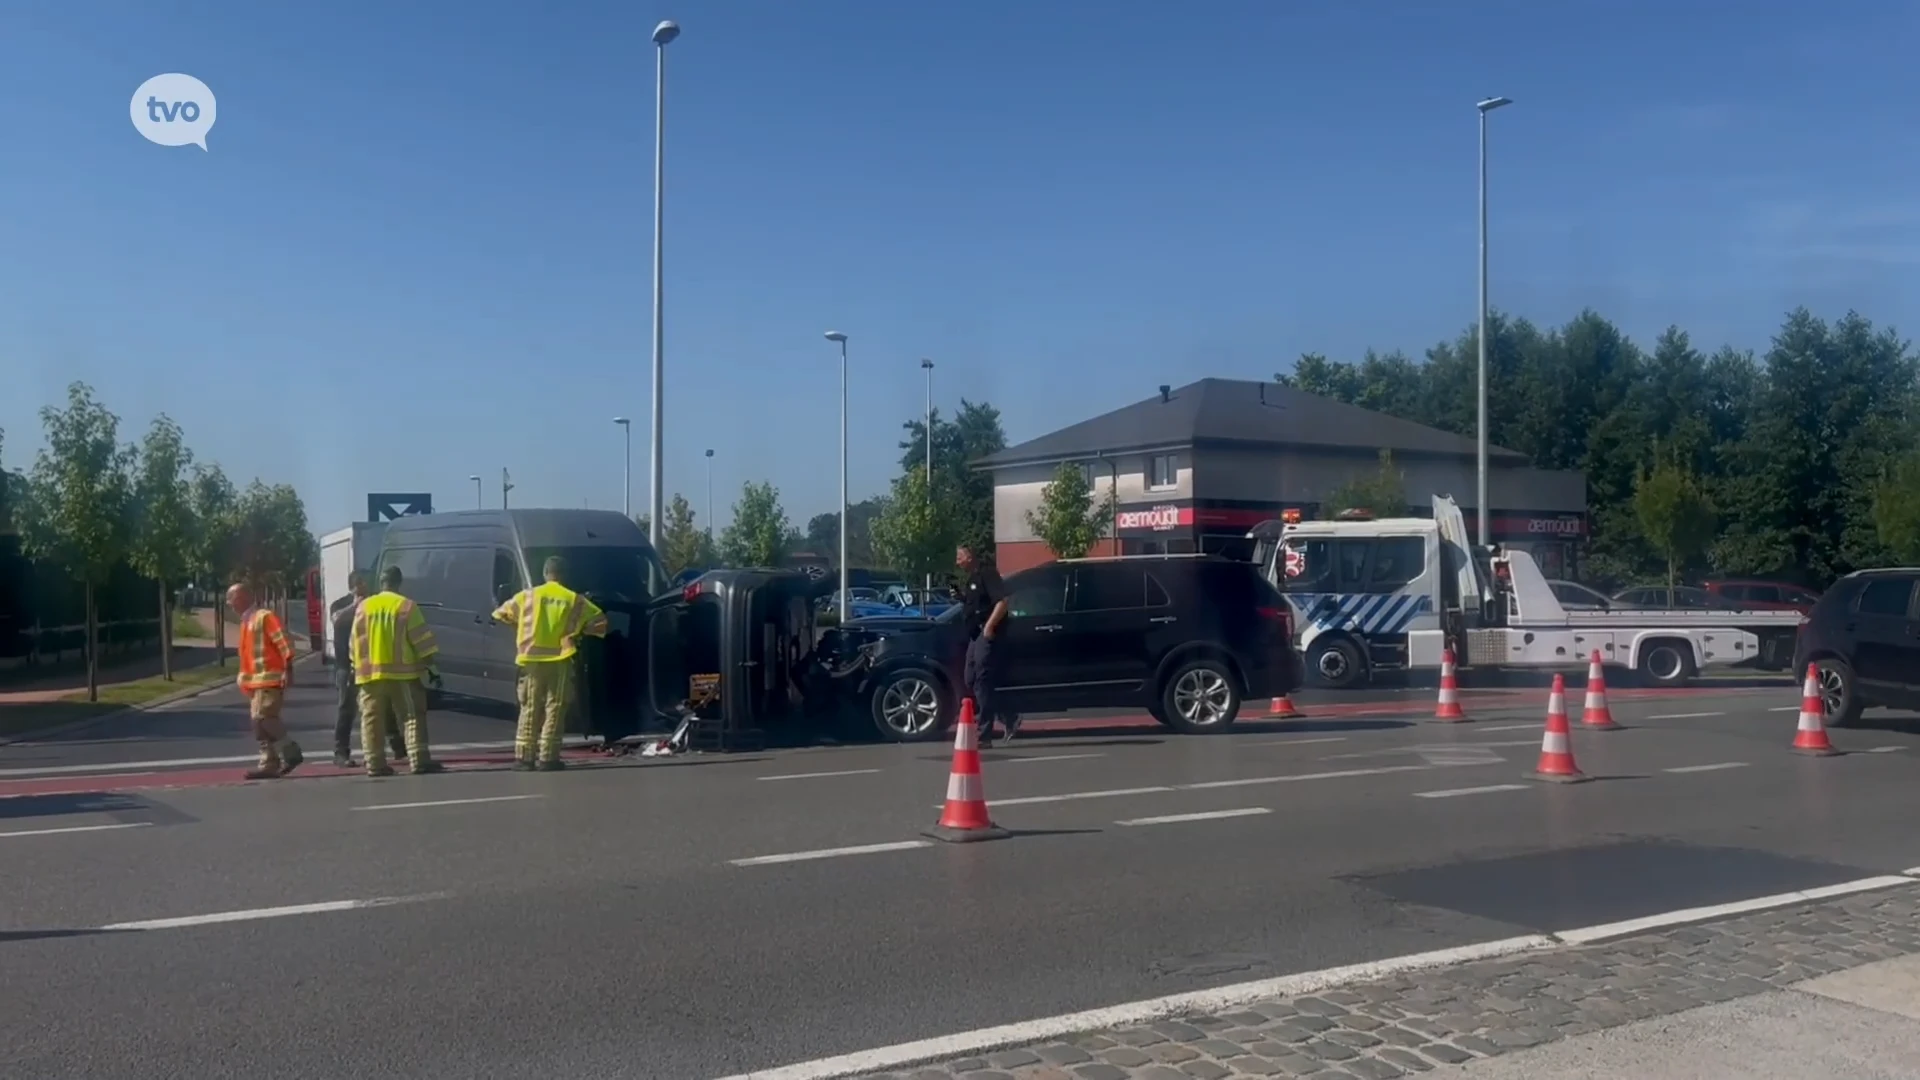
(1162, 472)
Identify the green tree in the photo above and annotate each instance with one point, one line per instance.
(163, 539)
(1896, 509)
(974, 433)
(78, 500)
(1069, 518)
(1674, 515)
(275, 546)
(683, 545)
(917, 530)
(1381, 492)
(216, 512)
(759, 534)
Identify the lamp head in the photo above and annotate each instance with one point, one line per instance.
(665, 32)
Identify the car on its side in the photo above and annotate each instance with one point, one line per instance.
(1188, 638)
(1863, 640)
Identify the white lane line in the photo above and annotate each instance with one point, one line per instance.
(1684, 715)
(77, 828)
(1915, 872)
(1049, 757)
(1295, 741)
(1451, 792)
(1715, 767)
(1072, 796)
(1785, 708)
(1337, 774)
(1886, 749)
(818, 775)
(448, 802)
(1205, 815)
(172, 763)
(1490, 728)
(251, 914)
(831, 853)
(1586, 934)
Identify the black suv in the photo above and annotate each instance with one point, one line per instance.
(1864, 636)
(1187, 638)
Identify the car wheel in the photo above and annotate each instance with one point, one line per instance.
(1666, 663)
(1200, 698)
(1839, 693)
(910, 704)
(1338, 664)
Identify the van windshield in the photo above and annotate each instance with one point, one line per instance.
(608, 573)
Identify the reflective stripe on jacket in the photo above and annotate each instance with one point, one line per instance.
(264, 651)
(390, 639)
(547, 620)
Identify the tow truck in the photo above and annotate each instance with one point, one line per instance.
(1393, 594)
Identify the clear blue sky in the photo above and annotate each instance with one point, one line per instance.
(418, 247)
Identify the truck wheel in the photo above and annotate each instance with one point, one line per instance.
(1338, 664)
(1839, 692)
(910, 704)
(1666, 663)
(1199, 698)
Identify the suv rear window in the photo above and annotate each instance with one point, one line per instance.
(1886, 596)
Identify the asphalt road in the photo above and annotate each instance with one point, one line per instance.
(613, 920)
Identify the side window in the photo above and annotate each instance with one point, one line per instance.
(1886, 596)
(1040, 594)
(1161, 472)
(1397, 560)
(1157, 595)
(1306, 566)
(1763, 594)
(1116, 587)
(1350, 556)
(506, 576)
(412, 563)
(1739, 593)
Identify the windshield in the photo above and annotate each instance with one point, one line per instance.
(628, 574)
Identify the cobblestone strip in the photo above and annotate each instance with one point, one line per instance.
(1411, 1024)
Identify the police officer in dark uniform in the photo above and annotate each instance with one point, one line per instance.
(984, 600)
(348, 705)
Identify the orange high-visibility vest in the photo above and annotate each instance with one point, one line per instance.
(548, 619)
(264, 652)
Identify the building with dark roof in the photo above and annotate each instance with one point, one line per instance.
(1193, 467)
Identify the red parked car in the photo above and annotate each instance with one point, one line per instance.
(1763, 595)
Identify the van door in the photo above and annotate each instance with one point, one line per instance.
(454, 593)
(497, 648)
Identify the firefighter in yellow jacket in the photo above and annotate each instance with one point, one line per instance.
(548, 620)
(392, 649)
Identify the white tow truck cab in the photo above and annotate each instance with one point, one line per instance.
(1393, 594)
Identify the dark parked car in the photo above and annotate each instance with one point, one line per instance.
(1763, 595)
(1680, 598)
(1188, 638)
(1864, 637)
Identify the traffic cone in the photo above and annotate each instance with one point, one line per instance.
(965, 817)
(1597, 716)
(1811, 738)
(1282, 709)
(1556, 746)
(1449, 707)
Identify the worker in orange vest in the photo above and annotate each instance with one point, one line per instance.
(266, 670)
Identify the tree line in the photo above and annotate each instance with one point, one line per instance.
(90, 505)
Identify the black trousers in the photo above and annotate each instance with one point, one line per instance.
(982, 674)
(346, 716)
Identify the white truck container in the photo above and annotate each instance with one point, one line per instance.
(356, 547)
(1392, 594)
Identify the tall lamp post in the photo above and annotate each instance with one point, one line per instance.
(840, 339)
(479, 500)
(662, 35)
(926, 364)
(1484, 536)
(709, 496)
(626, 470)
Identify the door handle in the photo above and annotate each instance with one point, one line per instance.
(482, 619)
(1164, 618)
(1049, 628)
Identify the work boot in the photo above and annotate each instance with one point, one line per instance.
(426, 767)
(523, 764)
(290, 757)
(268, 771)
(552, 765)
(342, 759)
(377, 771)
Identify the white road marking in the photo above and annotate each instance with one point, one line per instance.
(251, 914)
(1337, 774)
(181, 763)
(1071, 796)
(1785, 708)
(1684, 715)
(1295, 741)
(1049, 757)
(77, 828)
(1205, 815)
(447, 802)
(1225, 998)
(1451, 792)
(1886, 749)
(830, 853)
(1477, 728)
(818, 775)
(1603, 931)
(1915, 872)
(1715, 767)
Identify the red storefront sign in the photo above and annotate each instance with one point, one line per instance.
(1157, 519)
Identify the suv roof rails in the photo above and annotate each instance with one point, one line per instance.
(1139, 558)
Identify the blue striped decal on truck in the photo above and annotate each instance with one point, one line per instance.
(1364, 613)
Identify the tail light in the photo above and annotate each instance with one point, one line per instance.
(1279, 615)
(690, 592)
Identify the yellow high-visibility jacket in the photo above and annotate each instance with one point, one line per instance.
(548, 619)
(390, 640)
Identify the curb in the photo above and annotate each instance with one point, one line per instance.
(84, 723)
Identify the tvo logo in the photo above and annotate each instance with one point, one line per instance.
(173, 110)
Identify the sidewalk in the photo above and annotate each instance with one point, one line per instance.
(1816, 990)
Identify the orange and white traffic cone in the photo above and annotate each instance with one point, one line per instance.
(1282, 709)
(1556, 746)
(965, 817)
(1811, 738)
(1597, 716)
(1449, 707)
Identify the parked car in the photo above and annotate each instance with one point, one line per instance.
(1681, 598)
(1188, 638)
(1863, 638)
(913, 601)
(1574, 596)
(1763, 595)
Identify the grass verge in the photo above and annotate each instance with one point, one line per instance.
(27, 717)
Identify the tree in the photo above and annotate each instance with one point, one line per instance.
(275, 547)
(1674, 514)
(760, 534)
(216, 512)
(1069, 518)
(164, 540)
(823, 532)
(1382, 492)
(917, 530)
(974, 433)
(683, 546)
(1896, 509)
(78, 496)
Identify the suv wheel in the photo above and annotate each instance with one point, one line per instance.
(1199, 698)
(910, 705)
(1337, 663)
(1839, 696)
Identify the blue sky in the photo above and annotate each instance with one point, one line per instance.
(418, 246)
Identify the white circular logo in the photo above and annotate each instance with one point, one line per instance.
(173, 110)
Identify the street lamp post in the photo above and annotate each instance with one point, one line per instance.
(626, 470)
(662, 34)
(506, 485)
(479, 500)
(841, 339)
(925, 597)
(709, 496)
(1485, 536)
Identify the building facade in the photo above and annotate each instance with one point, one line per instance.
(1192, 469)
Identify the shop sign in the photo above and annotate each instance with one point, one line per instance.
(1159, 519)
(1556, 527)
